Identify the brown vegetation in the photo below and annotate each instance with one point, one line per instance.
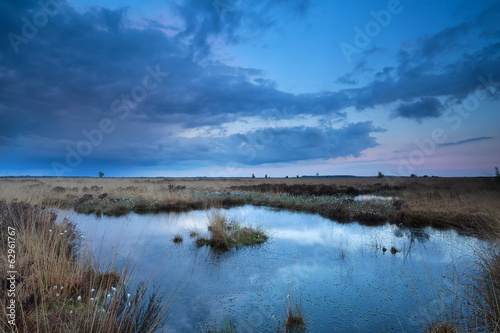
(226, 234)
(57, 287)
(50, 250)
(457, 203)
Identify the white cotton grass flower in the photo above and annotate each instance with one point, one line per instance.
(92, 299)
(113, 288)
(50, 230)
(62, 287)
(92, 290)
(79, 298)
(65, 231)
(71, 312)
(109, 295)
(55, 288)
(128, 295)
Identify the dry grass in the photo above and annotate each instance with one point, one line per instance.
(484, 294)
(294, 316)
(59, 288)
(226, 234)
(420, 194)
(459, 203)
(442, 328)
(481, 298)
(294, 313)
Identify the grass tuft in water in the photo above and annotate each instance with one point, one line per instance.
(394, 250)
(226, 234)
(178, 239)
(294, 315)
(442, 328)
(228, 326)
(342, 254)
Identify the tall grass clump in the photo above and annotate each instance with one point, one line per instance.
(485, 293)
(228, 326)
(294, 314)
(442, 328)
(226, 234)
(481, 298)
(58, 287)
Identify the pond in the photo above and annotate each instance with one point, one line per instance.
(340, 273)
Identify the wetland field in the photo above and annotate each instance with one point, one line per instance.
(250, 254)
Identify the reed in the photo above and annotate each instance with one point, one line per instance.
(59, 287)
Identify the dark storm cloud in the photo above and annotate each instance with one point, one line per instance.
(465, 141)
(427, 107)
(445, 40)
(270, 145)
(456, 80)
(361, 67)
(440, 65)
(273, 145)
(66, 77)
(231, 20)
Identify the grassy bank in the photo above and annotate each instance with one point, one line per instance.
(57, 286)
(457, 203)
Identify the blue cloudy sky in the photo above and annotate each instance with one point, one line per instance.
(232, 87)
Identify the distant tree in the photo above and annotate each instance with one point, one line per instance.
(380, 175)
(253, 175)
(265, 176)
(497, 174)
(101, 174)
(297, 176)
(425, 176)
(413, 175)
(317, 174)
(286, 177)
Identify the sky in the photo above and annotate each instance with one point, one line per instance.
(231, 88)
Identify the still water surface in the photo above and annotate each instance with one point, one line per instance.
(339, 272)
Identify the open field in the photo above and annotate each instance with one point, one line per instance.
(459, 203)
(469, 205)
